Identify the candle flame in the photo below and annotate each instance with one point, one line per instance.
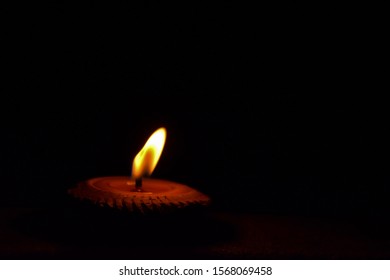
(146, 160)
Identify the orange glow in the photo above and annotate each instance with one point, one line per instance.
(146, 160)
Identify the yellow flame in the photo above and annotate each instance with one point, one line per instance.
(146, 160)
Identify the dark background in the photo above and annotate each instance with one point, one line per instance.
(266, 113)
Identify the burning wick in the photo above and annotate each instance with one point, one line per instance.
(138, 184)
(146, 160)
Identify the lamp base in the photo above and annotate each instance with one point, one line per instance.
(119, 193)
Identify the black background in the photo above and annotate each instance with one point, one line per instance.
(270, 112)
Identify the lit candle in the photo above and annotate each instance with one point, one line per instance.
(139, 193)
